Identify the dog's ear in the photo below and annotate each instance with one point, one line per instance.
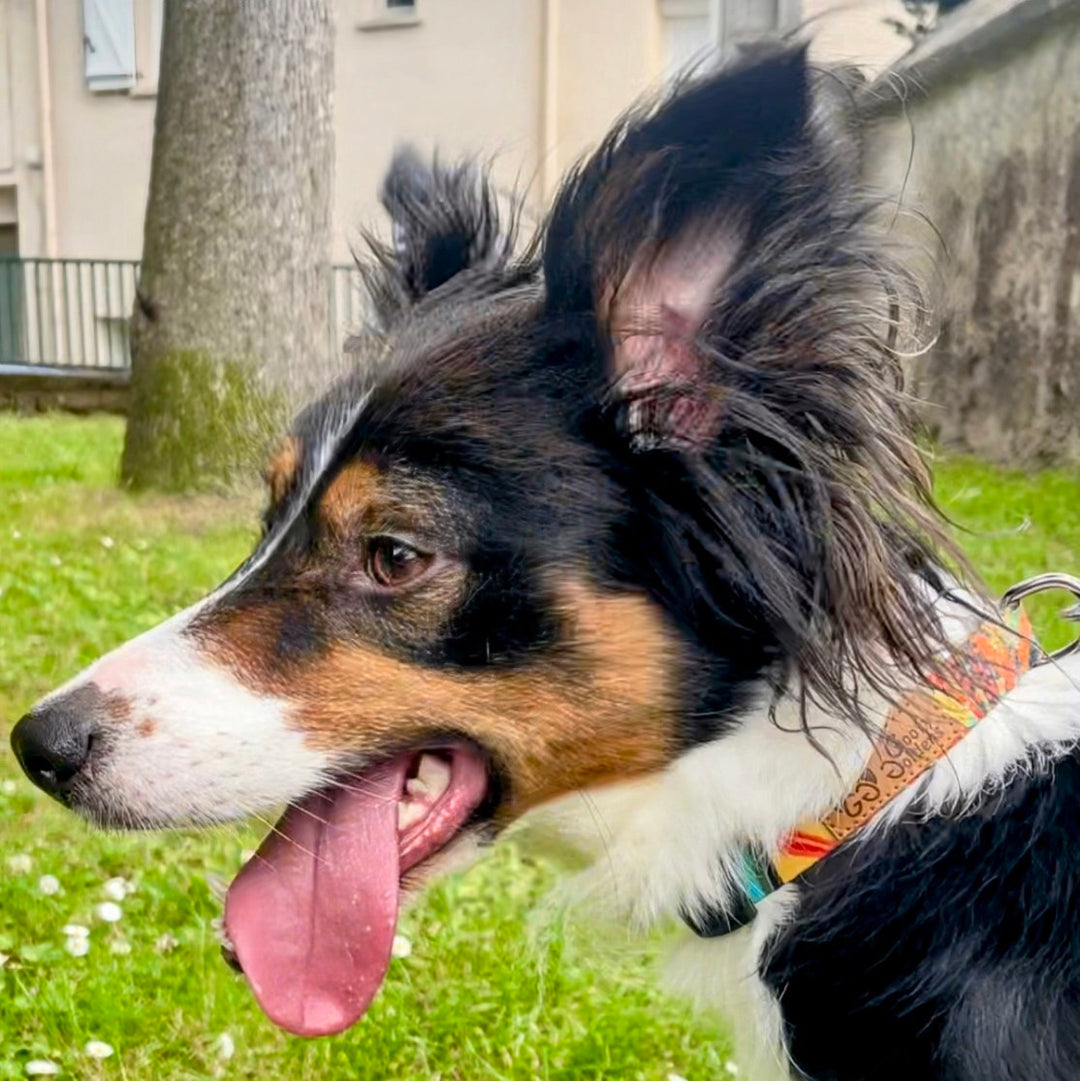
(648, 232)
(444, 220)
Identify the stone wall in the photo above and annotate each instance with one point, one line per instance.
(987, 111)
(26, 391)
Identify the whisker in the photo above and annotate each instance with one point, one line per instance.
(606, 834)
(361, 790)
(284, 836)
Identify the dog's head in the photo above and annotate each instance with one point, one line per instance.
(571, 509)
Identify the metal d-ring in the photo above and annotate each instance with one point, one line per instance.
(1012, 597)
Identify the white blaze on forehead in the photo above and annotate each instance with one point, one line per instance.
(325, 453)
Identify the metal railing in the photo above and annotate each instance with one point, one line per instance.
(74, 313)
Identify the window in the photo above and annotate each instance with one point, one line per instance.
(383, 14)
(695, 29)
(687, 34)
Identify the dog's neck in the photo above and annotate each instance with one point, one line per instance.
(654, 849)
(671, 844)
(674, 844)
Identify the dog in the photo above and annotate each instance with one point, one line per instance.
(632, 512)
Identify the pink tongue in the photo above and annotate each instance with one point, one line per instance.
(312, 915)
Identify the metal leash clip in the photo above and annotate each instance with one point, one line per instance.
(1040, 583)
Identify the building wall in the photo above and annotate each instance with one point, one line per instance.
(994, 143)
(609, 53)
(18, 174)
(6, 133)
(466, 77)
(532, 83)
(856, 32)
(101, 145)
(101, 142)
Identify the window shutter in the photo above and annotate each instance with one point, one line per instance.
(743, 22)
(109, 44)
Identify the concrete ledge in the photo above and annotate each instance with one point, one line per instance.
(28, 388)
(979, 31)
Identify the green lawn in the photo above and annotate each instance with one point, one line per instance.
(483, 994)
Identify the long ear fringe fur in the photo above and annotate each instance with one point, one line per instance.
(810, 521)
(446, 221)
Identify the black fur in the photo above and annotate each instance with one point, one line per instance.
(733, 444)
(445, 220)
(779, 541)
(706, 152)
(784, 544)
(944, 949)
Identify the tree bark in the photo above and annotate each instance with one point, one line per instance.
(232, 318)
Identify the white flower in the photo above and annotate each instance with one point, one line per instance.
(165, 943)
(98, 1049)
(16, 535)
(20, 864)
(77, 946)
(108, 911)
(49, 885)
(75, 930)
(116, 889)
(401, 947)
(675, 1077)
(107, 542)
(120, 945)
(4, 958)
(56, 561)
(226, 1047)
(731, 1068)
(9, 788)
(41, 1067)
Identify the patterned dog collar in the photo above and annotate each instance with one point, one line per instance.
(919, 730)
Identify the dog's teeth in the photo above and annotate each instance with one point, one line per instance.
(416, 788)
(431, 781)
(435, 774)
(409, 812)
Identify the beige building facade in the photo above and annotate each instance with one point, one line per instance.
(531, 82)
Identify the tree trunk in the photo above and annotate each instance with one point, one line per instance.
(232, 317)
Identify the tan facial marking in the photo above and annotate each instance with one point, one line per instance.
(348, 496)
(281, 470)
(598, 707)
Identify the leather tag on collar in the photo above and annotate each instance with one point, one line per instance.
(919, 730)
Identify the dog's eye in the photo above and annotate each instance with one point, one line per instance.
(391, 563)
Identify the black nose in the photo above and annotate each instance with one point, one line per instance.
(52, 744)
